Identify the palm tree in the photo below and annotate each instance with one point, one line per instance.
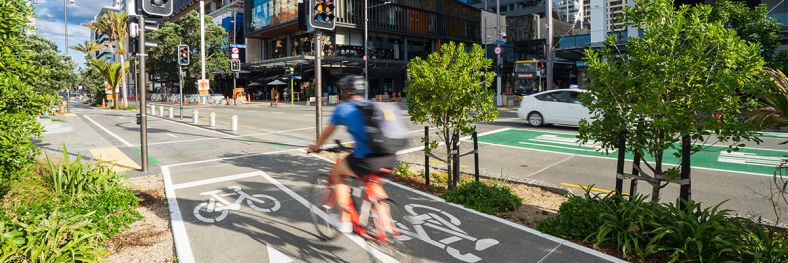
(87, 48)
(112, 73)
(774, 112)
(113, 24)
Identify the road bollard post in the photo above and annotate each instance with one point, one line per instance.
(234, 123)
(212, 119)
(195, 116)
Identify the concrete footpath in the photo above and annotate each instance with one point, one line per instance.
(72, 131)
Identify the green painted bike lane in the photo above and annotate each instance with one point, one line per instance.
(746, 160)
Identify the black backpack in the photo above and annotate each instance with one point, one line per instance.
(384, 126)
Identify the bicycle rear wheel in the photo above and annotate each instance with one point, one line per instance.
(393, 245)
(324, 211)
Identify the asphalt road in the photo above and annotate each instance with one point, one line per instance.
(262, 179)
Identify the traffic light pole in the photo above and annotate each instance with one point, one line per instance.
(141, 87)
(180, 90)
(234, 32)
(318, 83)
(549, 42)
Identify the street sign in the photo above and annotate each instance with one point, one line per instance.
(235, 50)
(203, 84)
(500, 43)
(233, 55)
(498, 50)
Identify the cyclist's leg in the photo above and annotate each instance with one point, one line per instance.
(341, 189)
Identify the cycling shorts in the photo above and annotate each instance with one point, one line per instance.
(364, 167)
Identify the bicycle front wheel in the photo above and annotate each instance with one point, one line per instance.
(324, 211)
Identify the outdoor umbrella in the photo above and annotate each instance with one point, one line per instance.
(276, 82)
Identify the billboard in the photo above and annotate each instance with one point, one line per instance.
(270, 13)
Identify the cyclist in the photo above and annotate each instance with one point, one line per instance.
(360, 162)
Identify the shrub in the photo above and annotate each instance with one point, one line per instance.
(112, 211)
(483, 197)
(74, 178)
(49, 238)
(578, 217)
(765, 245)
(627, 224)
(403, 169)
(695, 234)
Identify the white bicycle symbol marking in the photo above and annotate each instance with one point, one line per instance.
(446, 223)
(259, 202)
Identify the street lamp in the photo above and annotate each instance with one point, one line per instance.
(65, 48)
(366, 41)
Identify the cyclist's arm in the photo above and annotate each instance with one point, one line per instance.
(327, 131)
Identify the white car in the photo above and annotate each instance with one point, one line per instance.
(553, 107)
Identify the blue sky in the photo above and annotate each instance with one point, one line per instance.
(49, 22)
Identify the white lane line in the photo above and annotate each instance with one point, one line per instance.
(234, 157)
(382, 257)
(215, 180)
(121, 117)
(508, 119)
(549, 166)
(506, 222)
(274, 256)
(614, 158)
(548, 254)
(253, 111)
(182, 247)
(172, 135)
(192, 126)
(419, 148)
(107, 131)
(307, 114)
(229, 137)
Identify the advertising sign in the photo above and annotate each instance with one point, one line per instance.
(269, 13)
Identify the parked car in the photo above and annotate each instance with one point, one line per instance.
(553, 107)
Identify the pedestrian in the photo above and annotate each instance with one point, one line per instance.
(274, 97)
(285, 95)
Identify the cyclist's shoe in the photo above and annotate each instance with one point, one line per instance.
(345, 227)
(360, 231)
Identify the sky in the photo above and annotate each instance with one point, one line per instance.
(49, 22)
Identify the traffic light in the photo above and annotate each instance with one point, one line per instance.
(235, 65)
(183, 55)
(160, 8)
(322, 14)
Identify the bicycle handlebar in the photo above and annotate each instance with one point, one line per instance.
(339, 147)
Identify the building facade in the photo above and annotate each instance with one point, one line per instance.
(277, 40)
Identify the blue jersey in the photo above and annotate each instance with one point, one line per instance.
(350, 116)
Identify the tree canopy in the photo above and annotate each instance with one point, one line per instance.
(171, 34)
(687, 75)
(449, 90)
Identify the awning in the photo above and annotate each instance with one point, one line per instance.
(277, 82)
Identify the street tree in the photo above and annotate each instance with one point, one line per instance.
(171, 34)
(449, 91)
(113, 24)
(20, 101)
(752, 24)
(87, 48)
(56, 72)
(687, 75)
(112, 74)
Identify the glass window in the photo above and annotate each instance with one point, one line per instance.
(563, 96)
(546, 97)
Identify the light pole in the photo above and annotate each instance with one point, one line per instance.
(202, 40)
(549, 42)
(65, 49)
(292, 76)
(366, 41)
(498, 98)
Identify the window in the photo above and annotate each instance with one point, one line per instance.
(563, 96)
(547, 97)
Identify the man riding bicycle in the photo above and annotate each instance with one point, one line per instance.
(360, 163)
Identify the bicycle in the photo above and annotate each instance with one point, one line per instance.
(325, 211)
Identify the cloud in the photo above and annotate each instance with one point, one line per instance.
(55, 31)
(80, 10)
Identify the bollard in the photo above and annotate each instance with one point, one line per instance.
(161, 111)
(212, 119)
(152, 109)
(234, 123)
(170, 113)
(195, 116)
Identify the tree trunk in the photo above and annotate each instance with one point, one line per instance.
(123, 84)
(657, 174)
(449, 165)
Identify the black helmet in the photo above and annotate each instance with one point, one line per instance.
(352, 85)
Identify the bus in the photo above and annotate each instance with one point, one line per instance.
(527, 79)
